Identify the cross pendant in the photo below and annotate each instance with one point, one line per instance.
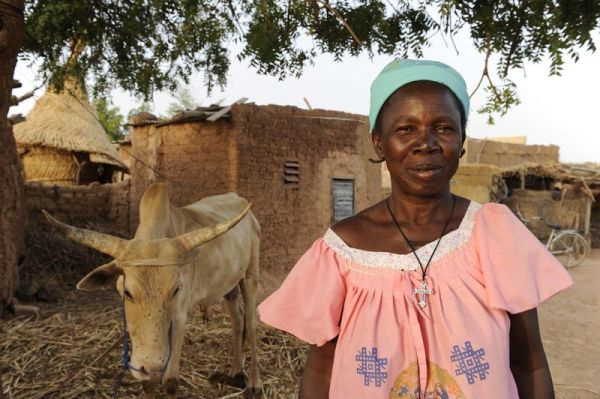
(423, 291)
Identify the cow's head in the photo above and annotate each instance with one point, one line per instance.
(146, 273)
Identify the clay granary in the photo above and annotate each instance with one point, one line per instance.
(62, 142)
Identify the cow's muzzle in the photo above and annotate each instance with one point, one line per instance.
(147, 375)
(143, 372)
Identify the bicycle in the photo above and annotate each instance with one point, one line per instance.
(567, 245)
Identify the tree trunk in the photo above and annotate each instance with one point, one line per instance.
(12, 213)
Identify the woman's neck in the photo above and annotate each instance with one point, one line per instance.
(419, 211)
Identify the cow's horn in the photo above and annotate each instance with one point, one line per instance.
(193, 239)
(104, 243)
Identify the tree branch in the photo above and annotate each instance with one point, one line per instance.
(77, 46)
(494, 88)
(486, 75)
(450, 33)
(234, 15)
(341, 19)
(515, 41)
(14, 119)
(485, 70)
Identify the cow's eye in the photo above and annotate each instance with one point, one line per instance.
(175, 292)
(128, 295)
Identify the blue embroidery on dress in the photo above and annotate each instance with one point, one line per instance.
(470, 362)
(403, 391)
(371, 367)
(441, 392)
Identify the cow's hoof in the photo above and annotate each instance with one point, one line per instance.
(171, 386)
(253, 393)
(237, 381)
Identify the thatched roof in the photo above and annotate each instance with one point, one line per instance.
(67, 121)
(558, 171)
(584, 177)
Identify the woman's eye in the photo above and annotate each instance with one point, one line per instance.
(404, 129)
(175, 292)
(128, 295)
(445, 129)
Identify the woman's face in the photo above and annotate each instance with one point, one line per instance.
(420, 138)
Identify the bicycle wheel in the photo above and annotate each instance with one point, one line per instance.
(570, 249)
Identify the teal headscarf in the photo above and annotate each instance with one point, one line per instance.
(401, 72)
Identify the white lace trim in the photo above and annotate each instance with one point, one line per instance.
(406, 262)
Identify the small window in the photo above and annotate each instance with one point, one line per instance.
(342, 191)
(291, 174)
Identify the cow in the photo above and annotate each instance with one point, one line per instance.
(180, 257)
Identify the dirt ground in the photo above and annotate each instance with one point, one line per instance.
(570, 326)
(73, 351)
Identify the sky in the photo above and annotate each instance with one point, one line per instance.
(562, 110)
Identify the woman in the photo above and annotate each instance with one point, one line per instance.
(425, 294)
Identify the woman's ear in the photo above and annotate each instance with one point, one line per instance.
(377, 145)
(462, 152)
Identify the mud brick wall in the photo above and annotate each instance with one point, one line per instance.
(324, 147)
(192, 159)
(508, 154)
(474, 181)
(99, 206)
(246, 154)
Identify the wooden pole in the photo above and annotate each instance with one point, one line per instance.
(588, 219)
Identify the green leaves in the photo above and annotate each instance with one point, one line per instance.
(139, 45)
(271, 39)
(516, 32)
(499, 100)
(110, 118)
(148, 45)
(184, 100)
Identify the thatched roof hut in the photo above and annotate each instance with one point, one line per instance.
(567, 194)
(63, 143)
(578, 177)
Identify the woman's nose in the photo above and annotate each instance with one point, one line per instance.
(426, 141)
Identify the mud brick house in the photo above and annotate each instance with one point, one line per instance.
(506, 152)
(302, 169)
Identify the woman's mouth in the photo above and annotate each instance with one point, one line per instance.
(425, 171)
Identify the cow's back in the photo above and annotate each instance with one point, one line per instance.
(212, 210)
(160, 219)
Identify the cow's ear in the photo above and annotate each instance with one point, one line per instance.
(102, 277)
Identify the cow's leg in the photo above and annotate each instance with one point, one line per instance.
(148, 388)
(171, 386)
(170, 378)
(236, 375)
(250, 291)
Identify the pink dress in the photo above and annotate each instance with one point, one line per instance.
(457, 346)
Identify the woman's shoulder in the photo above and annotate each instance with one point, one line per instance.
(353, 230)
(493, 213)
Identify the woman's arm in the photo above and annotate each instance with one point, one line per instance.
(317, 372)
(527, 358)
